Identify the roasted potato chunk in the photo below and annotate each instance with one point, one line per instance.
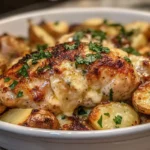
(141, 98)
(143, 27)
(42, 119)
(113, 115)
(93, 22)
(16, 116)
(73, 123)
(31, 118)
(38, 35)
(56, 29)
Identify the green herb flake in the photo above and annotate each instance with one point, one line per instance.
(48, 54)
(56, 23)
(63, 117)
(20, 94)
(34, 61)
(42, 47)
(100, 121)
(117, 119)
(99, 35)
(111, 94)
(43, 69)
(105, 22)
(116, 25)
(7, 79)
(81, 111)
(131, 50)
(40, 54)
(107, 114)
(90, 58)
(23, 71)
(127, 60)
(12, 86)
(71, 46)
(78, 36)
(98, 48)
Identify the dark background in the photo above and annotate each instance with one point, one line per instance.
(29, 5)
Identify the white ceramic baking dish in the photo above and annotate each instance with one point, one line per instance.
(15, 137)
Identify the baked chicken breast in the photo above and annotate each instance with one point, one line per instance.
(69, 75)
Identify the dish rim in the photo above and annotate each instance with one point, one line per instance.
(58, 134)
(71, 10)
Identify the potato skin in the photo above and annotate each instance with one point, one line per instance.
(56, 29)
(2, 108)
(141, 100)
(42, 119)
(73, 123)
(108, 112)
(38, 35)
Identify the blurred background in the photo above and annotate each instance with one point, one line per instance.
(9, 7)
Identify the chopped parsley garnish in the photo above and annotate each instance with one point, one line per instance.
(78, 36)
(12, 86)
(42, 47)
(34, 61)
(23, 71)
(100, 121)
(116, 25)
(105, 21)
(98, 48)
(118, 119)
(43, 69)
(99, 35)
(63, 117)
(90, 58)
(20, 94)
(40, 54)
(127, 60)
(7, 79)
(81, 111)
(107, 114)
(71, 46)
(111, 94)
(56, 23)
(131, 50)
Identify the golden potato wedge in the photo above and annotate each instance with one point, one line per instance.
(141, 98)
(31, 118)
(142, 27)
(66, 38)
(56, 29)
(93, 22)
(37, 35)
(16, 116)
(113, 115)
(139, 41)
(4, 61)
